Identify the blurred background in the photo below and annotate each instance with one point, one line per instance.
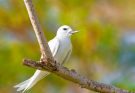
(103, 50)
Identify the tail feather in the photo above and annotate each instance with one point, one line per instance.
(35, 78)
(26, 85)
(22, 85)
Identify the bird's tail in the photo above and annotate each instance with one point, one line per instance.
(26, 85)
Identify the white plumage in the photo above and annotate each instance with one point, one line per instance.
(61, 48)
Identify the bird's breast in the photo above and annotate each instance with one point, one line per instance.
(64, 48)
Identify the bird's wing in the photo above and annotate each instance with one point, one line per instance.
(38, 75)
(67, 56)
(54, 46)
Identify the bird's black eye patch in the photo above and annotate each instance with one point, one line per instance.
(64, 28)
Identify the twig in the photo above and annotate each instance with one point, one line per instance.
(50, 65)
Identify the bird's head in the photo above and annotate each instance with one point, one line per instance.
(65, 31)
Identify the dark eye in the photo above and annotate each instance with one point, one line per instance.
(64, 28)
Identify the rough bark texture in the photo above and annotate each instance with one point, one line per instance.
(73, 76)
(48, 63)
(38, 30)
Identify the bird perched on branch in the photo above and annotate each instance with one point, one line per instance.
(61, 49)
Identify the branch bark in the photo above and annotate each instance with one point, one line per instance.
(73, 76)
(45, 50)
(48, 63)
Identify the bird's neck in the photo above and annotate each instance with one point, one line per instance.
(62, 37)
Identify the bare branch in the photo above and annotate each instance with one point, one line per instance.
(73, 76)
(48, 63)
(38, 30)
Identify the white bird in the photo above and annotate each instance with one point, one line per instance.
(61, 49)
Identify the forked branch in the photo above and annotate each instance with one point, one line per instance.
(48, 63)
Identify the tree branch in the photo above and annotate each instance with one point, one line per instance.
(48, 63)
(73, 76)
(45, 50)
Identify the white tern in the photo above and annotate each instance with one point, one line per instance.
(61, 49)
